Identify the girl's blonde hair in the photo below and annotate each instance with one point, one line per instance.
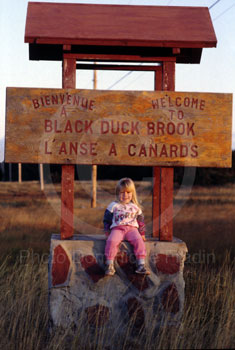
(127, 184)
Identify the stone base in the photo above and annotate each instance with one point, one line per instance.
(81, 295)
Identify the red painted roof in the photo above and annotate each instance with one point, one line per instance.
(117, 25)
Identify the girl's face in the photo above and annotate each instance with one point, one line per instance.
(125, 196)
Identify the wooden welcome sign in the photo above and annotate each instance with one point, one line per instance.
(159, 128)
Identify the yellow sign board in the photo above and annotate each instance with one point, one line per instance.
(159, 128)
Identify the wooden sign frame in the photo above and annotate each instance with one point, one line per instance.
(141, 128)
(163, 44)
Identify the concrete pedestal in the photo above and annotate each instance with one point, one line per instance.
(80, 295)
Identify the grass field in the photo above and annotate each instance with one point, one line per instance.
(203, 217)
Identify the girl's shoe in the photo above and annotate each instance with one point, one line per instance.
(141, 269)
(110, 270)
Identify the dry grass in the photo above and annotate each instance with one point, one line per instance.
(204, 219)
(208, 320)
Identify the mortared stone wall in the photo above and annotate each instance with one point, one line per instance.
(81, 295)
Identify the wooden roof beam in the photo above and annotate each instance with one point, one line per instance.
(116, 31)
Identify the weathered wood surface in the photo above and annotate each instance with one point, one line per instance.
(86, 24)
(67, 176)
(159, 128)
(118, 32)
(67, 202)
(163, 178)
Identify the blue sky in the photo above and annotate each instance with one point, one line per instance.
(215, 73)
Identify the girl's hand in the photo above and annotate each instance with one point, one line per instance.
(144, 238)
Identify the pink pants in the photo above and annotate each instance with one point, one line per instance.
(121, 233)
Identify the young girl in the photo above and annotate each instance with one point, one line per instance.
(123, 220)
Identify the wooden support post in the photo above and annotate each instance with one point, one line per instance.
(20, 173)
(156, 174)
(67, 181)
(94, 167)
(163, 177)
(67, 201)
(94, 186)
(41, 176)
